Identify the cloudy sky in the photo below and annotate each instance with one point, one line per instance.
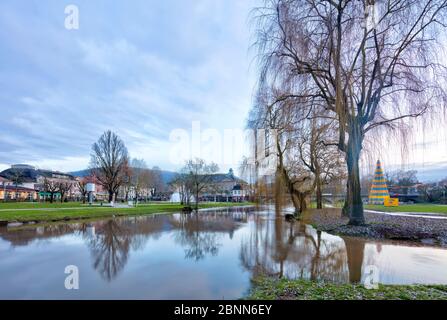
(148, 70)
(140, 68)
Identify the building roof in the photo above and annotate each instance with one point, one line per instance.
(17, 189)
(226, 177)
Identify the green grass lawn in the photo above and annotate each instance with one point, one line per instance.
(419, 207)
(428, 208)
(48, 213)
(271, 289)
(31, 205)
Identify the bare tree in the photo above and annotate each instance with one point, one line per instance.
(247, 171)
(17, 179)
(82, 187)
(109, 160)
(126, 185)
(139, 177)
(64, 187)
(302, 143)
(51, 187)
(145, 181)
(365, 70)
(156, 179)
(198, 175)
(319, 156)
(181, 184)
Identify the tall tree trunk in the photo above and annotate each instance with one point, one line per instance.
(352, 159)
(279, 190)
(296, 202)
(197, 200)
(110, 196)
(294, 194)
(345, 211)
(302, 199)
(319, 192)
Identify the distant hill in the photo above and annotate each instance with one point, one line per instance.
(31, 174)
(428, 172)
(80, 173)
(432, 173)
(167, 176)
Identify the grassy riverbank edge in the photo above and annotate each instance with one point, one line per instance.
(52, 215)
(420, 230)
(411, 208)
(265, 288)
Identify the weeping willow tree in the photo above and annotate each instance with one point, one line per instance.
(369, 64)
(306, 160)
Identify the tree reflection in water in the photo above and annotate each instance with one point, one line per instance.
(200, 233)
(268, 244)
(111, 241)
(273, 247)
(110, 248)
(293, 250)
(355, 249)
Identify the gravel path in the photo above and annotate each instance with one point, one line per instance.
(382, 226)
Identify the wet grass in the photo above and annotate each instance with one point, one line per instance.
(421, 208)
(272, 289)
(85, 212)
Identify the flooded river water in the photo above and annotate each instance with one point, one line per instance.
(212, 254)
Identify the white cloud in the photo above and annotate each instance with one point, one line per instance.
(166, 65)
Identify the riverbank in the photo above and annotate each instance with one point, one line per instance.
(50, 214)
(282, 289)
(380, 226)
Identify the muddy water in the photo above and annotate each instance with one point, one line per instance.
(210, 255)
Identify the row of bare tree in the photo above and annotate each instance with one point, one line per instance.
(140, 181)
(333, 72)
(53, 187)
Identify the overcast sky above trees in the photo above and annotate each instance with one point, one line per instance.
(140, 69)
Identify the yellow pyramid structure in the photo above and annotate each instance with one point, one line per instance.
(379, 189)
